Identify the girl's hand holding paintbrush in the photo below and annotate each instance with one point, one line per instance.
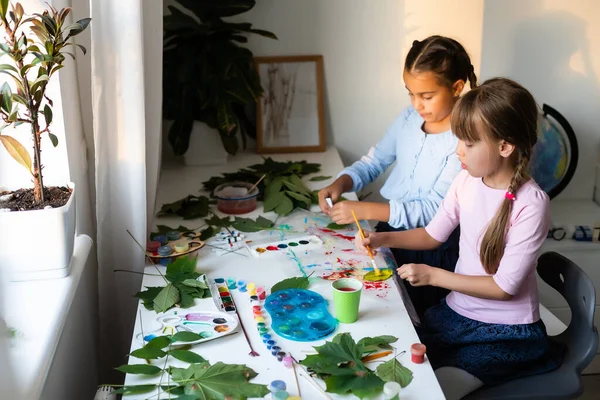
(371, 240)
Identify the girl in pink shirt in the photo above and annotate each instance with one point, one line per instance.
(489, 325)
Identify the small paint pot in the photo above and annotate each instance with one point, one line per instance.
(173, 235)
(259, 319)
(280, 355)
(262, 331)
(282, 395)
(165, 250)
(270, 343)
(261, 325)
(152, 246)
(391, 389)
(277, 386)
(162, 239)
(242, 288)
(256, 308)
(251, 286)
(182, 248)
(219, 280)
(417, 353)
(260, 292)
(252, 293)
(288, 361)
(266, 337)
(231, 283)
(275, 350)
(253, 297)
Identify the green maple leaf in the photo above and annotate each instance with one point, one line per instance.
(163, 229)
(249, 225)
(218, 222)
(392, 370)
(148, 296)
(378, 342)
(218, 381)
(339, 363)
(181, 269)
(291, 283)
(167, 298)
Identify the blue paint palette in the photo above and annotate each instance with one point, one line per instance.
(300, 315)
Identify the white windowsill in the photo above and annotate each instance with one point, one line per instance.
(38, 311)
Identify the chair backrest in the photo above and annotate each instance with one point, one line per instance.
(581, 336)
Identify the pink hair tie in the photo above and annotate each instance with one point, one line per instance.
(510, 196)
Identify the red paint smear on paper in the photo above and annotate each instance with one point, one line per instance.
(339, 235)
(347, 250)
(380, 287)
(346, 273)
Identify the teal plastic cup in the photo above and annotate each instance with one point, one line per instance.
(346, 299)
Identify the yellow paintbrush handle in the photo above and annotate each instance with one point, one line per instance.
(362, 234)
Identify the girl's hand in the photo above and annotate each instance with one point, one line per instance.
(334, 191)
(371, 239)
(416, 274)
(341, 213)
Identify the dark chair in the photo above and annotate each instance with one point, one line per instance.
(580, 338)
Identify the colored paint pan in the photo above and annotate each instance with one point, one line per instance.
(384, 274)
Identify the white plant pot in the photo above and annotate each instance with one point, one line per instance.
(38, 244)
(205, 147)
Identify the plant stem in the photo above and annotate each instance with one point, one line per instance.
(148, 257)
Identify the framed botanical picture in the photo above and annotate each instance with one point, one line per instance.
(290, 113)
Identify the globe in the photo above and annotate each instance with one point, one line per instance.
(553, 161)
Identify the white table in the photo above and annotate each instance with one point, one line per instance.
(381, 312)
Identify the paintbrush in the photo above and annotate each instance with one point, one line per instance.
(362, 235)
(256, 184)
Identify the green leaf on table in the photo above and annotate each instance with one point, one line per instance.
(187, 356)
(189, 207)
(285, 207)
(294, 188)
(159, 342)
(272, 201)
(337, 227)
(143, 369)
(218, 222)
(147, 296)
(185, 336)
(249, 225)
(195, 283)
(219, 381)
(207, 233)
(291, 283)
(163, 229)
(392, 370)
(300, 197)
(319, 178)
(339, 363)
(135, 389)
(148, 353)
(181, 268)
(274, 187)
(167, 298)
(377, 342)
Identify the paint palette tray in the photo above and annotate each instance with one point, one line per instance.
(296, 243)
(207, 323)
(300, 315)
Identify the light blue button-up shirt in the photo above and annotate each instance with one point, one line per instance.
(426, 165)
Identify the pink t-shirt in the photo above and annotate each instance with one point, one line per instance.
(473, 204)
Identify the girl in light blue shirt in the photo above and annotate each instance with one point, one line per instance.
(423, 147)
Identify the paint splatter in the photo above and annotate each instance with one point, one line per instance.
(381, 288)
(295, 258)
(347, 250)
(335, 234)
(312, 265)
(346, 273)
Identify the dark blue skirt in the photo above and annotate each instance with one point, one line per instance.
(494, 353)
(445, 257)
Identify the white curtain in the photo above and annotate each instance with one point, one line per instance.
(126, 76)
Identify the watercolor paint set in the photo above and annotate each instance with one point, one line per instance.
(299, 243)
(300, 315)
(207, 323)
(221, 295)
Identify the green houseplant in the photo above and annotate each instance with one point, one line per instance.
(35, 58)
(207, 75)
(36, 46)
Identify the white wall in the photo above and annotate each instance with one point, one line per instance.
(363, 44)
(553, 48)
(54, 159)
